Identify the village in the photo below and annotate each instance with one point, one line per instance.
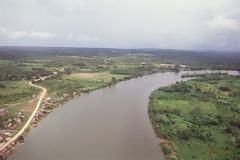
(46, 106)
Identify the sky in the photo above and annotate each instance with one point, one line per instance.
(168, 24)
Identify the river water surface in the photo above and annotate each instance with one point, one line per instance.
(107, 124)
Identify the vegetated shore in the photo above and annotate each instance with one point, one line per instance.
(199, 118)
(8, 147)
(45, 106)
(48, 104)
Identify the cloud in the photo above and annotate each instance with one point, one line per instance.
(174, 24)
(14, 35)
(41, 34)
(66, 6)
(20, 34)
(224, 23)
(82, 38)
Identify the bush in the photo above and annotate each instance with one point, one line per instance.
(231, 130)
(202, 133)
(237, 157)
(166, 150)
(173, 158)
(235, 122)
(237, 142)
(2, 86)
(183, 134)
(162, 118)
(235, 109)
(113, 80)
(223, 88)
(205, 120)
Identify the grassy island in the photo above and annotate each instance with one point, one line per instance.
(199, 118)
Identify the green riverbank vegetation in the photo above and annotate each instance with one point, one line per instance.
(199, 118)
(70, 72)
(63, 75)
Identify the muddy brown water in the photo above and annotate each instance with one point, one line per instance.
(107, 124)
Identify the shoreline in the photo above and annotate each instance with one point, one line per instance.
(8, 147)
(44, 108)
(47, 106)
(163, 141)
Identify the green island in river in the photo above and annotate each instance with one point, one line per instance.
(198, 118)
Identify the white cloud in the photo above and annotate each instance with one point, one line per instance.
(66, 6)
(15, 35)
(70, 36)
(86, 38)
(185, 24)
(221, 23)
(41, 34)
(20, 34)
(82, 38)
(71, 4)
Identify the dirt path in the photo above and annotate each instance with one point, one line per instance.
(42, 95)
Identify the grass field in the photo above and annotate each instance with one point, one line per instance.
(15, 97)
(83, 82)
(97, 76)
(16, 92)
(200, 118)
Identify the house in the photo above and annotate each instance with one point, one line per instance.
(8, 134)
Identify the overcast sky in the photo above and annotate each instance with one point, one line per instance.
(173, 24)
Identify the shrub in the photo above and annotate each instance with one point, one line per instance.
(223, 88)
(235, 122)
(183, 134)
(202, 133)
(237, 157)
(173, 158)
(231, 130)
(162, 118)
(237, 142)
(113, 80)
(2, 86)
(166, 150)
(235, 109)
(204, 120)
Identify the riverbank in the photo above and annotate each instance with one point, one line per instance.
(8, 147)
(44, 106)
(47, 106)
(51, 103)
(90, 125)
(198, 119)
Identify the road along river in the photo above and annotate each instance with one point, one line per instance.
(107, 124)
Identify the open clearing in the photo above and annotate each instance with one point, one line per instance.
(105, 76)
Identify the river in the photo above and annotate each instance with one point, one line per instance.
(107, 124)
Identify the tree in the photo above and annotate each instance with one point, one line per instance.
(177, 68)
(183, 134)
(224, 88)
(237, 141)
(67, 71)
(114, 80)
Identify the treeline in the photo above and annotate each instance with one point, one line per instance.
(134, 71)
(202, 74)
(12, 72)
(195, 59)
